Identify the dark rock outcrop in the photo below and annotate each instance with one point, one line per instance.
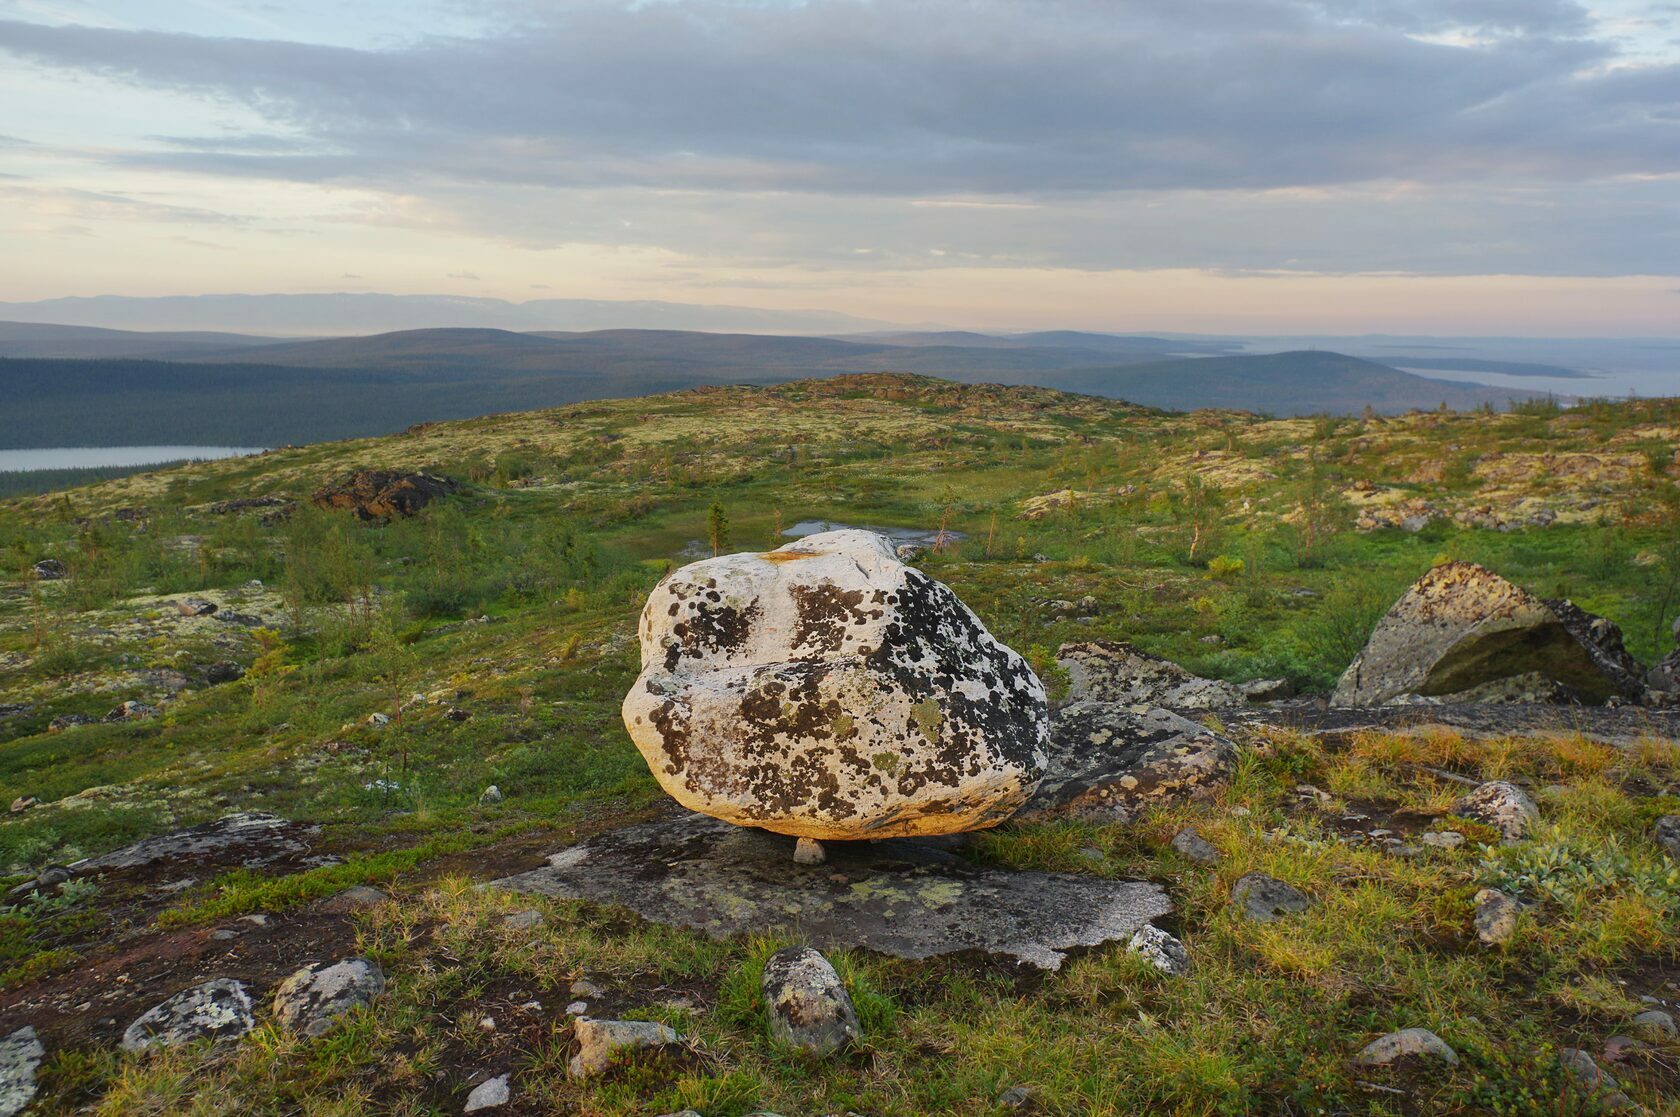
(383, 494)
(1463, 633)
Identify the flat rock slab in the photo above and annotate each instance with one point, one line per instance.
(247, 840)
(903, 897)
(1611, 725)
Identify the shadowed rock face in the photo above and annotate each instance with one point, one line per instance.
(906, 897)
(382, 494)
(1461, 629)
(827, 690)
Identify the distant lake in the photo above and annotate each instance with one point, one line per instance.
(94, 457)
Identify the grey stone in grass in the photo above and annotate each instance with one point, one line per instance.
(1263, 898)
(357, 898)
(526, 920)
(1596, 1083)
(603, 1042)
(1414, 1043)
(217, 1010)
(808, 1004)
(489, 1094)
(1667, 833)
(1016, 1097)
(1197, 848)
(1442, 839)
(1501, 805)
(1656, 1023)
(21, 1055)
(312, 999)
(1160, 949)
(1496, 917)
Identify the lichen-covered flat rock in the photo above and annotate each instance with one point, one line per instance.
(1114, 671)
(827, 690)
(218, 1010)
(908, 897)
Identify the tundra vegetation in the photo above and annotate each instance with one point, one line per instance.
(393, 671)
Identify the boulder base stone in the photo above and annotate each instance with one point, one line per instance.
(1108, 762)
(1114, 671)
(1462, 628)
(218, 1010)
(905, 897)
(809, 1007)
(827, 690)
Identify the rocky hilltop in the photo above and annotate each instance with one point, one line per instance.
(1199, 762)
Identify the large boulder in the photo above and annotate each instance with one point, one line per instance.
(1114, 671)
(382, 494)
(1463, 633)
(1109, 762)
(827, 690)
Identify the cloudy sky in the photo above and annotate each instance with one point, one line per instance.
(1470, 166)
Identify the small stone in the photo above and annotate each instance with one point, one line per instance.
(601, 1042)
(1406, 1043)
(1501, 805)
(1619, 1049)
(585, 989)
(489, 1094)
(223, 671)
(1442, 839)
(49, 570)
(1496, 917)
(526, 920)
(490, 796)
(1268, 690)
(487, 1023)
(132, 711)
(377, 719)
(1159, 949)
(1667, 833)
(1596, 1083)
(577, 1008)
(23, 803)
(21, 1055)
(357, 898)
(313, 998)
(1263, 898)
(1656, 1023)
(195, 607)
(218, 1010)
(455, 713)
(1308, 791)
(809, 1006)
(809, 851)
(223, 934)
(1016, 1097)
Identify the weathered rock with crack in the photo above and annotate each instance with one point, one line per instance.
(603, 1042)
(218, 1010)
(250, 839)
(1113, 671)
(1501, 805)
(1160, 949)
(1462, 627)
(1107, 762)
(1197, 848)
(312, 999)
(904, 897)
(808, 1005)
(1496, 917)
(1407, 1043)
(1263, 898)
(827, 690)
(21, 1054)
(382, 494)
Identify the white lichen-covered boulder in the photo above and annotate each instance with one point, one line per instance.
(827, 690)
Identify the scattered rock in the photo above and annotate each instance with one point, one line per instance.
(1113, 671)
(1501, 805)
(528, 920)
(489, 1094)
(1107, 762)
(249, 839)
(490, 796)
(218, 1010)
(1263, 898)
(904, 897)
(69, 721)
(357, 898)
(583, 987)
(21, 1055)
(23, 803)
(1442, 839)
(378, 720)
(827, 690)
(195, 607)
(1597, 1084)
(1159, 949)
(1414, 1043)
(224, 671)
(49, 570)
(1496, 917)
(313, 998)
(132, 710)
(456, 714)
(249, 504)
(1016, 1097)
(1619, 1049)
(1667, 833)
(809, 851)
(382, 494)
(808, 1005)
(1268, 690)
(1462, 626)
(1197, 848)
(602, 1042)
(1656, 1023)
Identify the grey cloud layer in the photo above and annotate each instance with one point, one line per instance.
(1095, 107)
